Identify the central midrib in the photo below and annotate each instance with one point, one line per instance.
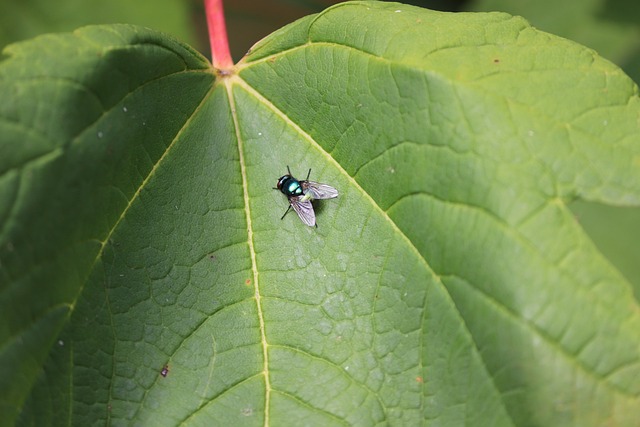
(247, 209)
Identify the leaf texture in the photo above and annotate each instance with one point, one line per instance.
(448, 284)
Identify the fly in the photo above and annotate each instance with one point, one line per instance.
(301, 193)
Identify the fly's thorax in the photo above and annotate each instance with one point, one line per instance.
(289, 186)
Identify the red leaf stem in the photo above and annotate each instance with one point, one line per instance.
(220, 55)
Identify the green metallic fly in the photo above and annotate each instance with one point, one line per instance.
(301, 193)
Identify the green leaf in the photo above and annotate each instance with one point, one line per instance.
(449, 283)
(23, 19)
(616, 232)
(611, 27)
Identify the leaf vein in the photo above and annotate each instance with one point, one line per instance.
(551, 342)
(252, 252)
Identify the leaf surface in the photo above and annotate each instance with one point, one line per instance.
(448, 283)
(611, 27)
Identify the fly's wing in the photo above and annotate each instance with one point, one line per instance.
(318, 190)
(304, 209)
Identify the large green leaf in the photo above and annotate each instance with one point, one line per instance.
(448, 284)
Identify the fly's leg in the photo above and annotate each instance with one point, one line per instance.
(286, 212)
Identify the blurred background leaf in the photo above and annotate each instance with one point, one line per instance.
(616, 232)
(24, 19)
